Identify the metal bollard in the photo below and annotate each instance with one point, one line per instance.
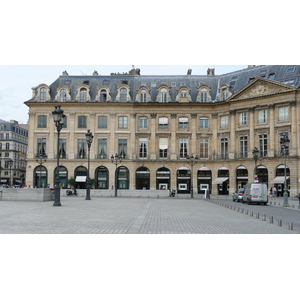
(251, 214)
(242, 211)
(279, 222)
(291, 226)
(264, 217)
(271, 219)
(246, 211)
(257, 216)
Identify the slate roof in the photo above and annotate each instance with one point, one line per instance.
(288, 74)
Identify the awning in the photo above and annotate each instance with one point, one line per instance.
(220, 180)
(279, 179)
(80, 179)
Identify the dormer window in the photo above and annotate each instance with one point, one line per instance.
(224, 92)
(123, 95)
(163, 95)
(203, 95)
(63, 95)
(183, 93)
(43, 94)
(143, 96)
(103, 95)
(83, 94)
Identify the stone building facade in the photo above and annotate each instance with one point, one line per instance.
(155, 122)
(13, 149)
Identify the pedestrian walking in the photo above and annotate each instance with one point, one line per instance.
(299, 198)
(275, 192)
(271, 192)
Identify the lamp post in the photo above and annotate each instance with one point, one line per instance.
(116, 159)
(10, 163)
(255, 153)
(40, 159)
(192, 160)
(89, 139)
(284, 143)
(58, 117)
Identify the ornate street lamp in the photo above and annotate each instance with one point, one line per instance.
(9, 164)
(117, 159)
(284, 143)
(58, 117)
(192, 160)
(255, 153)
(89, 139)
(40, 159)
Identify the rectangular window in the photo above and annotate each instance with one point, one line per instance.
(243, 146)
(203, 147)
(243, 119)
(42, 121)
(102, 148)
(81, 148)
(143, 123)
(65, 119)
(163, 147)
(224, 122)
(224, 148)
(263, 145)
(183, 147)
(204, 123)
(143, 146)
(262, 116)
(41, 146)
(163, 123)
(82, 122)
(62, 148)
(123, 122)
(183, 123)
(283, 113)
(122, 147)
(102, 122)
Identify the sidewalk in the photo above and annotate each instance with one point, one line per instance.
(129, 216)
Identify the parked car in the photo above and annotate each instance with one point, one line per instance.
(238, 196)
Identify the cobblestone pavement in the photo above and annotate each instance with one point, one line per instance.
(128, 216)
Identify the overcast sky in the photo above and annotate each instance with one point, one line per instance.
(17, 81)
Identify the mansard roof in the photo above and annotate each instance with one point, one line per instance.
(286, 74)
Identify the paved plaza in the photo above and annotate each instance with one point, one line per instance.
(129, 216)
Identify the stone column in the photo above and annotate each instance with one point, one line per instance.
(272, 136)
(152, 140)
(232, 141)
(173, 152)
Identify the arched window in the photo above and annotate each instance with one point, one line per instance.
(143, 96)
(163, 95)
(123, 95)
(103, 95)
(43, 94)
(63, 95)
(102, 178)
(83, 94)
(183, 93)
(142, 178)
(203, 95)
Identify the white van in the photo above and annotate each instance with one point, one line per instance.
(255, 193)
